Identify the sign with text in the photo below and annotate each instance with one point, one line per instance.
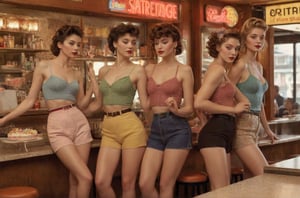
(147, 8)
(283, 14)
(227, 15)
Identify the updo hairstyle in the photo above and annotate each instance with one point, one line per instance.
(218, 38)
(166, 30)
(61, 35)
(247, 27)
(120, 30)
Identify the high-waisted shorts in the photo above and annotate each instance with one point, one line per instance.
(247, 128)
(169, 131)
(68, 126)
(123, 131)
(219, 131)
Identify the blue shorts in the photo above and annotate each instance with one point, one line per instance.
(169, 131)
(219, 131)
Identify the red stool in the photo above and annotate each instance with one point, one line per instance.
(237, 174)
(197, 182)
(19, 192)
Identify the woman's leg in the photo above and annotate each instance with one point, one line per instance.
(108, 159)
(131, 161)
(75, 159)
(216, 163)
(150, 168)
(252, 158)
(173, 162)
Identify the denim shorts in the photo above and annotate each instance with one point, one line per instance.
(169, 131)
(219, 131)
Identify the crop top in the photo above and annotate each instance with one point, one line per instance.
(56, 88)
(254, 90)
(158, 93)
(121, 92)
(224, 94)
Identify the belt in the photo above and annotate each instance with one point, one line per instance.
(163, 115)
(252, 113)
(116, 113)
(63, 108)
(225, 116)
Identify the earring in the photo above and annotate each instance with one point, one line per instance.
(115, 52)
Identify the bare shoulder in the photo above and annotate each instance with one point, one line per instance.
(185, 68)
(103, 70)
(240, 64)
(149, 68)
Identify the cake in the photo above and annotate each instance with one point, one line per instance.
(22, 133)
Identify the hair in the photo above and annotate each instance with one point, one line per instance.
(247, 27)
(61, 35)
(218, 38)
(167, 30)
(120, 30)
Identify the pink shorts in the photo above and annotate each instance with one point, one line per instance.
(66, 127)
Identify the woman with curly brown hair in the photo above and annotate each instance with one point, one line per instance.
(67, 127)
(222, 100)
(123, 133)
(169, 141)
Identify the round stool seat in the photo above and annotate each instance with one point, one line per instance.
(19, 192)
(237, 174)
(191, 177)
(193, 183)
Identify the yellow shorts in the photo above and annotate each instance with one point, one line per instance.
(123, 131)
(247, 128)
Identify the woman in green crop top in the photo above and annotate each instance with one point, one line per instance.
(67, 127)
(247, 74)
(123, 133)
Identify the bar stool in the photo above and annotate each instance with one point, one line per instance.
(196, 182)
(19, 192)
(237, 174)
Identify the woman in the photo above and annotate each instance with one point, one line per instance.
(123, 133)
(67, 127)
(247, 74)
(220, 98)
(170, 138)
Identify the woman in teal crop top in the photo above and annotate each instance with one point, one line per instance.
(123, 133)
(247, 73)
(68, 129)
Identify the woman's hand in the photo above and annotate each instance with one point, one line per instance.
(272, 136)
(242, 107)
(172, 104)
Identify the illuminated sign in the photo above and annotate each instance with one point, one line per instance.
(146, 8)
(283, 14)
(227, 15)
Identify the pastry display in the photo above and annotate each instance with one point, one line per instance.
(22, 133)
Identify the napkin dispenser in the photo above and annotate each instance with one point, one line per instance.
(8, 100)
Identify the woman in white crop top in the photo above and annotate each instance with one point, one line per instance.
(67, 127)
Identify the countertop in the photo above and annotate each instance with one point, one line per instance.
(263, 186)
(286, 167)
(21, 150)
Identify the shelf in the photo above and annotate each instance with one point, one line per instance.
(18, 50)
(17, 31)
(102, 58)
(12, 71)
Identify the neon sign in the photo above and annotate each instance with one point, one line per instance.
(147, 8)
(227, 15)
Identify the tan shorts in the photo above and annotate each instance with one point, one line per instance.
(123, 131)
(66, 127)
(247, 128)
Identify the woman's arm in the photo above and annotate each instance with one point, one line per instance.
(142, 88)
(32, 96)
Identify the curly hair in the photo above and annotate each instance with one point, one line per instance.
(218, 38)
(248, 25)
(61, 35)
(120, 30)
(167, 30)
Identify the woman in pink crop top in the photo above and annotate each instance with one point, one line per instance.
(123, 133)
(67, 127)
(170, 138)
(220, 98)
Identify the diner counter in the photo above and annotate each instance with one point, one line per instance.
(263, 186)
(285, 167)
